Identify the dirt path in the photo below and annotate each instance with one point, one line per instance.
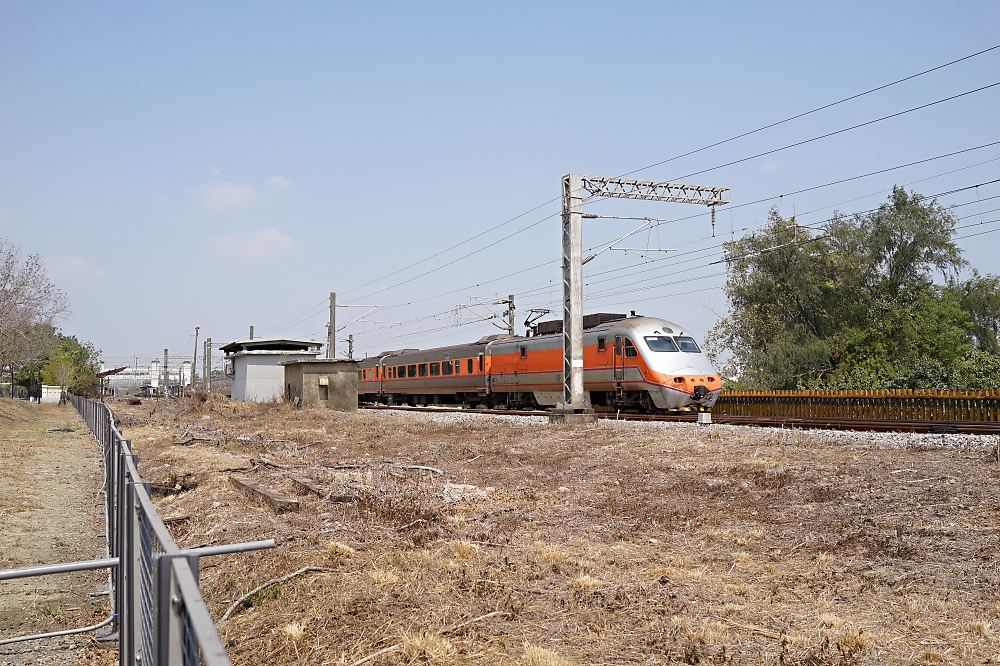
(50, 482)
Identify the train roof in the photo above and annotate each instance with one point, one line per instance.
(641, 324)
(403, 356)
(623, 322)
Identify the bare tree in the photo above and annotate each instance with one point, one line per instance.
(30, 307)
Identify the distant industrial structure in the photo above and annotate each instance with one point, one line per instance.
(148, 379)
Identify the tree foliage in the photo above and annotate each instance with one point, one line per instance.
(871, 301)
(70, 363)
(30, 307)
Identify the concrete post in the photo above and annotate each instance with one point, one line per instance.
(166, 375)
(208, 364)
(194, 359)
(331, 334)
(572, 237)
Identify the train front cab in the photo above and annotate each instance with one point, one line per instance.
(655, 367)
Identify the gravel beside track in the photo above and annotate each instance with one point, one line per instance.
(866, 438)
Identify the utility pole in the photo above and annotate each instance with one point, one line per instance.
(574, 407)
(166, 375)
(251, 332)
(350, 346)
(331, 333)
(572, 270)
(194, 358)
(208, 364)
(509, 313)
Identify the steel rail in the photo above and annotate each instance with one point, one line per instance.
(817, 423)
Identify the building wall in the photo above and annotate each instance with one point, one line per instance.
(257, 377)
(50, 394)
(302, 384)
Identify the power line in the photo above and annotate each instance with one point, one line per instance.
(981, 232)
(321, 304)
(712, 145)
(840, 131)
(819, 108)
(750, 203)
(611, 290)
(672, 257)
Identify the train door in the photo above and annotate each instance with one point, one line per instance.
(619, 360)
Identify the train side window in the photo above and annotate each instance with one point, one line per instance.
(411, 371)
(435, 369)
(524, 352)
(470, 366)
(458, 367)
(601, 345)
(629, 349)
(480, 363)
(618, 345)
(446, 368)
(422, 370)
(359, 374)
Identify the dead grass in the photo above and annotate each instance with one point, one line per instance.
(537, 656)
(618, 543)
(426, 648)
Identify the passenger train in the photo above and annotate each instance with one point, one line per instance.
(632, 362)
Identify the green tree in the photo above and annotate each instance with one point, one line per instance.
(872, 300)
(69, 363)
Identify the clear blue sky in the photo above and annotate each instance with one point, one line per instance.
(230, 164)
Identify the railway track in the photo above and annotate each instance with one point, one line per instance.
(861, 424)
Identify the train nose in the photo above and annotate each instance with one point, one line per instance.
(701, 392)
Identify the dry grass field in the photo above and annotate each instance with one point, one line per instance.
(477, 540)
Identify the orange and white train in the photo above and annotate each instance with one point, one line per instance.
(629, 362)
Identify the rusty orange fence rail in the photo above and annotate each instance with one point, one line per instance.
(902, 404)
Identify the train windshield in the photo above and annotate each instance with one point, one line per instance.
(660, 343)
(687, 344)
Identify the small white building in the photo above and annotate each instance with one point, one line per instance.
(51, 394)
(255, 365)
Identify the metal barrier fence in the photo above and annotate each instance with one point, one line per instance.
(158, 611)
(902, 404)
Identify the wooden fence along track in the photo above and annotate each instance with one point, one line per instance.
(895, 404)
